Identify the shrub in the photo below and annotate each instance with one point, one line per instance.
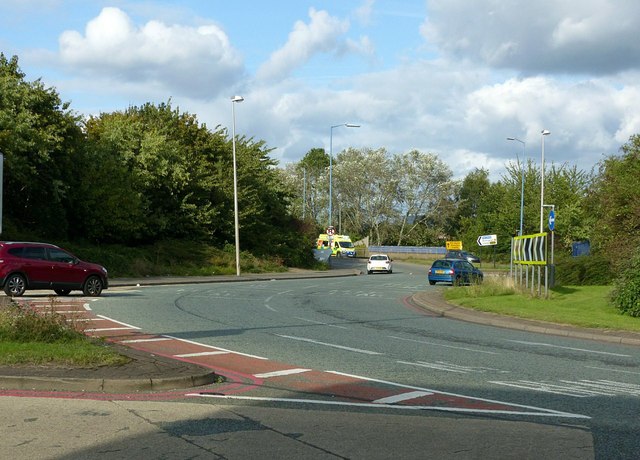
(626, 292)
(26, 324)
(592, 270)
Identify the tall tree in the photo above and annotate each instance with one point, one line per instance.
(424, 184)
(366, 187)
(614, 201)
(163, 161)
(40, 138)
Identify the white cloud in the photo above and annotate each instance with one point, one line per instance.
(364, 12)
(581, 37)
(193, 61)
(322, 34)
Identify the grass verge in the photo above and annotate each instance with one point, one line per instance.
(46, 338)
(583, 306)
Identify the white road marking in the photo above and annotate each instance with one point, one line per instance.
(217, 348)
(266, 375)
(320, 322)
(118, 322)
(399, 385)
(541, 344)
(155, 339)
(85, 319)
(402, 397)
(333, 345)
(202, 353)
(450, 367)
(576, 389)
(105, 329)
(474, 350)
(612, 370)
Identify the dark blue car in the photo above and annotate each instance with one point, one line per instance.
(455, 272)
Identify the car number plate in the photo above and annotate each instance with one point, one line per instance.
(439, 272)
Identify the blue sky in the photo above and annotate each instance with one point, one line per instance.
(452, 77)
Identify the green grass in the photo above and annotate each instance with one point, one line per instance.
(76, 353)
(584, 306)
(43, 337)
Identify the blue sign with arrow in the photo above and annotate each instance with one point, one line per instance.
(552, 220)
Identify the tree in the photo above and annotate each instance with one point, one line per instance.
(309, 180)
(155, 177)
(613, 199)
(424, 184)
(366, 186)
(41, 140)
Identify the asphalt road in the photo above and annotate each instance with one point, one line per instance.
(562, 397)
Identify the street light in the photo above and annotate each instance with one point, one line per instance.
(234, 100)
(522, 181)
(347, 125)
(544, 133)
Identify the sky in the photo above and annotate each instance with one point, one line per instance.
(451, 77)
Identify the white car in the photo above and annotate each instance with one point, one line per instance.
(379, 263)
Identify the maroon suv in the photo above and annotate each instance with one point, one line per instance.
(45, 266)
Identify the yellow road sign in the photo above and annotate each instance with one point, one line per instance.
(453, 245)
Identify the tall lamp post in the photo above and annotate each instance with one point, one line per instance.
(347, 125)
(544, 133)
(522, 183)
(234, 100)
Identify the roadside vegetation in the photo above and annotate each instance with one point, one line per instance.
(45, 338)
(583, 306)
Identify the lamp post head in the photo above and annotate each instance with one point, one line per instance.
(237, 99)
(545, 132)
(351, 125)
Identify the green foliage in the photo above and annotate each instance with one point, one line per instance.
(173, 257)
(26, 324)
(626, 293)
(146, 174)
(613, 200)
(40, 139)
(592, 270)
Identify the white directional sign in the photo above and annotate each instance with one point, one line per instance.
(487, 240)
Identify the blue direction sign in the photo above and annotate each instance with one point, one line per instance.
(552, 220)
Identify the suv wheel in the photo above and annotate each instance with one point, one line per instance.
(15, 285)
(92, 287)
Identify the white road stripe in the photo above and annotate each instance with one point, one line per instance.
(541, 344)
(202, 353)
(266, 375)
(321, 323)
(612, 370)
(86, 319)
(400, 385)
(105, 329)
(118, 322)
(577, 389)
(402, 397)
(217, 348)
(474, 350)
(542, 413)
(333, 345)
(155, 339)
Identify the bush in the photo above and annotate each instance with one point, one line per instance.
(26, 324)
(626, 292)
(592, 270)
